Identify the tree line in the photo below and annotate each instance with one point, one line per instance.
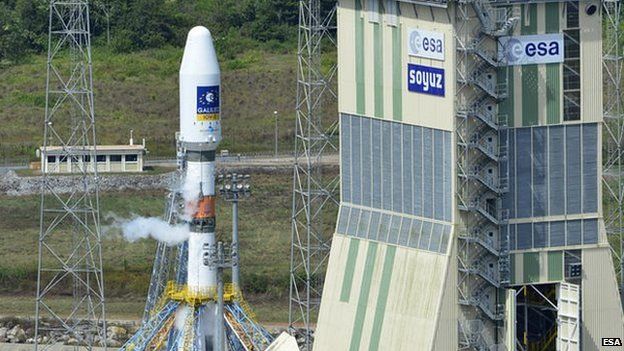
(131, 25)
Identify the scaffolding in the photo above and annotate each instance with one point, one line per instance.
(314, 191)
(482, 144)
(613, 132)
(70, 255)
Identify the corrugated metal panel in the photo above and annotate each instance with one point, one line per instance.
(397, 174)
(376, 142)
(590, 168)
(428, 173)
(601, 307)
(556, 176)
(386, 162)
(540, 165)
(407, 178)
(438, 175)
(356, 160)
(573, 169)
(573, 232)
(367, 162)
(418, 171)
(345, 158)
(523, 173)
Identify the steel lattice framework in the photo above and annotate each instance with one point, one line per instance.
(70, 255)
(613, 131)
(314, 192)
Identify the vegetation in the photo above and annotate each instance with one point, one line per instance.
(136, 75)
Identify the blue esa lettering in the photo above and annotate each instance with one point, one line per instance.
(542, 49)
(432, 45)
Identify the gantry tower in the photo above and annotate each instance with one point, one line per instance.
(70, 251)
(314, 191)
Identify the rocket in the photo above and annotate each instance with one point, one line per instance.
(200, 134)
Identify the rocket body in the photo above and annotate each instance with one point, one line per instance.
(200, 134)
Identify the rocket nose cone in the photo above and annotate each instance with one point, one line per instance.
(199, 56)
(198, 33)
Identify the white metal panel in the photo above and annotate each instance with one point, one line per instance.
(568, 329)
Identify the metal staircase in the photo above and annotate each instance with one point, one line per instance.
(482, 145)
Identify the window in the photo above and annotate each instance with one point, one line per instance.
(100, 158)
(63, 158)
(131, 158)
(86, 158)
(115, 158)
(51, 159)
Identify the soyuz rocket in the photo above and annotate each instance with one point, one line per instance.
(200, 134)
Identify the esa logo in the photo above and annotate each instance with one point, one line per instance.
(426, 44)
(611, 342)
(426, 80)
(531, 49)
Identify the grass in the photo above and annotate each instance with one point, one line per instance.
(264, 234)
(131, 308)
(140, 91)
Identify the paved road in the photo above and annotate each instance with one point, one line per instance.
(268, 161)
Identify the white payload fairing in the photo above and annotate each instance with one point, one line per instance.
(200, 133)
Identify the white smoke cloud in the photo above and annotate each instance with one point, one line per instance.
(155, 228)
(180, 316)
(136, 228)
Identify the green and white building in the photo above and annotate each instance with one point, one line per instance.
(471, 165)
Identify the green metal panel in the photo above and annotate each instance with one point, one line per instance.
(553, 70)
(506, 107)
(379, 66)
(347, 281)
(382, 299)
(555, 265)
(397, 74)
(553, 93)
(552, 17)
(531, 267)
(360, 84)
(360, 313)
(530, 102)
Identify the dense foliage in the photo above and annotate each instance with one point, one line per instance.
(237, 25)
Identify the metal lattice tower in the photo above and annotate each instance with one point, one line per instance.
(613, 131)
(314, 192)
(70, 255)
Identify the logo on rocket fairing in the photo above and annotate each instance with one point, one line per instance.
(208, 103)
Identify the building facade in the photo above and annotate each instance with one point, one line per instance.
(109, 159)
(470, 213)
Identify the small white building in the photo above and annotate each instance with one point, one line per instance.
(109, 159)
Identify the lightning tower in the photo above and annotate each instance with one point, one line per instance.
(613, 131)
(314, 192)
(70, 255)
